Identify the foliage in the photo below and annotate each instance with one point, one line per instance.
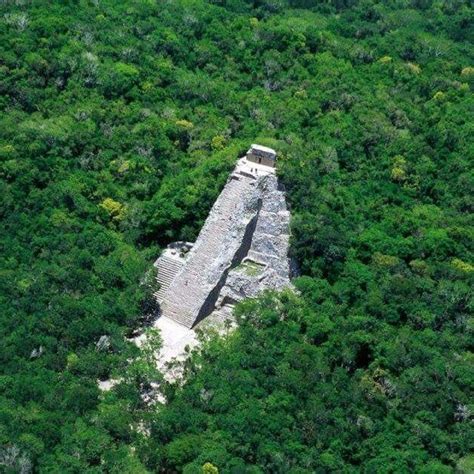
(120, 122)
(313, 383)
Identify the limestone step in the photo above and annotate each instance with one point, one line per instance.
(166, 281)
(167, 274)
(167, 268)
(165, 261)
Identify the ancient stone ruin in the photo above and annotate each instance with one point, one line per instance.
(241, 249)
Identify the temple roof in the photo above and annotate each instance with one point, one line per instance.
(262, 148)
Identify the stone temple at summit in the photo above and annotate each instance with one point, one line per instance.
(242, 248)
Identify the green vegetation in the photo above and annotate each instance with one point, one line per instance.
(120, 122)
(251, 268)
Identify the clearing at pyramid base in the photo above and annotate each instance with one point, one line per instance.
(241, 250)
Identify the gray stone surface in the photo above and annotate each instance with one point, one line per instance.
(168, 265)
(269, 249)
(248, 222)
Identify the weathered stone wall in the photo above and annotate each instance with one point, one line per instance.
(269, 248)
(263, 160)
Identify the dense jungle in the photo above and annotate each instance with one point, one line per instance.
(119, 124)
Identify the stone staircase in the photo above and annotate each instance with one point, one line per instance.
(191, 294)
(168, 268)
